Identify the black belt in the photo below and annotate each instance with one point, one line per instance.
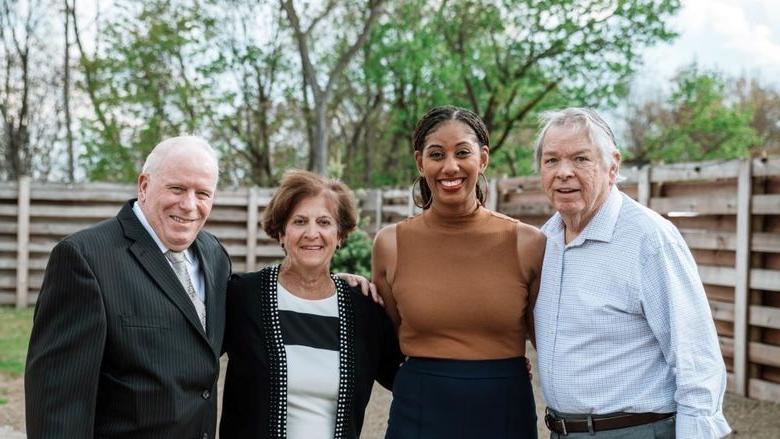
(590, 424)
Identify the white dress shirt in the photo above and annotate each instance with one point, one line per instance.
(623, 323)
(193, 264)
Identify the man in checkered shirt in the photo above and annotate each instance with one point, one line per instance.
(627, 346)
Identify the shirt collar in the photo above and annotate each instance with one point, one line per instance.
(600, 228)
(142, 218)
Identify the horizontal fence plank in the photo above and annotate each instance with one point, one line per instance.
(10, 298)
(760, 279)
(722, 310)
(765, 204)
(765, 316)
(712, 205)
(700, 171)
(764, 354)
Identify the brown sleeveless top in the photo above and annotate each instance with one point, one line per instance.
(459, 287)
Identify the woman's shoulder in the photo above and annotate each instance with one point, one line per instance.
(360, 302)
(244, 281)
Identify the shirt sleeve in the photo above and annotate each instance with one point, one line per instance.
(678, 313)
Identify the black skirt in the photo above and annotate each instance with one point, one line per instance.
(437, 398)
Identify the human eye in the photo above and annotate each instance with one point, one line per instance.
(435, 154)
(549, 161)
(325, 222)
(204, 195)
(176, 189)
(465, 152)
(299, 221)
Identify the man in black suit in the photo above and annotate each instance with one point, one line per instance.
(129, 323)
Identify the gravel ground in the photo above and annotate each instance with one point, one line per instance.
(749, 418)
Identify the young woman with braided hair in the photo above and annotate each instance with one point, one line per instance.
(459, 282)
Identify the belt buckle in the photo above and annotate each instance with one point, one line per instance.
(550, 421)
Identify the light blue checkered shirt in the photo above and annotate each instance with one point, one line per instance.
(623, 324)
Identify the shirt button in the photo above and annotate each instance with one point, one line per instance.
(205, 395)
(205, 436)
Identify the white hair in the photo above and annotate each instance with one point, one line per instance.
(598, 131)
(163, 148)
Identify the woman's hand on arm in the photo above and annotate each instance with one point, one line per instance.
(366, 286)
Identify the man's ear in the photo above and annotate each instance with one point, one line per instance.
(614, 167)
(143, 185)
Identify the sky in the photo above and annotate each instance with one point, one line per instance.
(738, 37)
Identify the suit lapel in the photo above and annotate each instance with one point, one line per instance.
(211, 300)
(149, 256)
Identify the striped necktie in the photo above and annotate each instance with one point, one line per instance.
(179, 263)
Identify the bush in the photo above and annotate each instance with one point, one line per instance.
(354, 256)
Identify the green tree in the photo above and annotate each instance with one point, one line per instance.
(506, 60)
(700, 120)
(143, 83)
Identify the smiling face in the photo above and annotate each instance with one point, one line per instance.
(574, 176)
(176, 197)
(311, 233)
(450, 162)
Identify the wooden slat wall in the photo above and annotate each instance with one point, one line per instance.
(728, 213)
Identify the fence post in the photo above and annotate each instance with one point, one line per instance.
(23, 242)
(492, 195)
(251, 229)
(644, 186)
(375, 200)
(742, 285)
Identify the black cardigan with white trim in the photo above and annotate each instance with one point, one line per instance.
(254, 403)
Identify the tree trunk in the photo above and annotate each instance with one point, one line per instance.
(66, 99)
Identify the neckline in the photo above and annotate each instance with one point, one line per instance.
(281, 289)
(436, 220)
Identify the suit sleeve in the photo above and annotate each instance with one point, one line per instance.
(66, 349)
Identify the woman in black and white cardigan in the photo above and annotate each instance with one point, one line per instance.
(304, 348)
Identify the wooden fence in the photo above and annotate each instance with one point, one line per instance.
(728, 212)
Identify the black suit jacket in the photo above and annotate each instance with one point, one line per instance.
(255, 387)
(117, 349)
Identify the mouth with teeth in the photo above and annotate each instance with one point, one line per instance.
(311, 247)
(180, 220)
(451, 184)
(566, 190)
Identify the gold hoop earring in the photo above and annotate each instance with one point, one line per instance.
(418, 201)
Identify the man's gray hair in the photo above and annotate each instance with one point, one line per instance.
(598, 131)
(161, 150)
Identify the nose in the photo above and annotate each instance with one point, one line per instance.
(188, 201)
(450, 165)
(565, 170)
(310, 231)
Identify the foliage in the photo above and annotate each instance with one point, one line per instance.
(354, 256)
(506, 60)
(142, 84)
(699, 120)
(297, 83)
(15, 328)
